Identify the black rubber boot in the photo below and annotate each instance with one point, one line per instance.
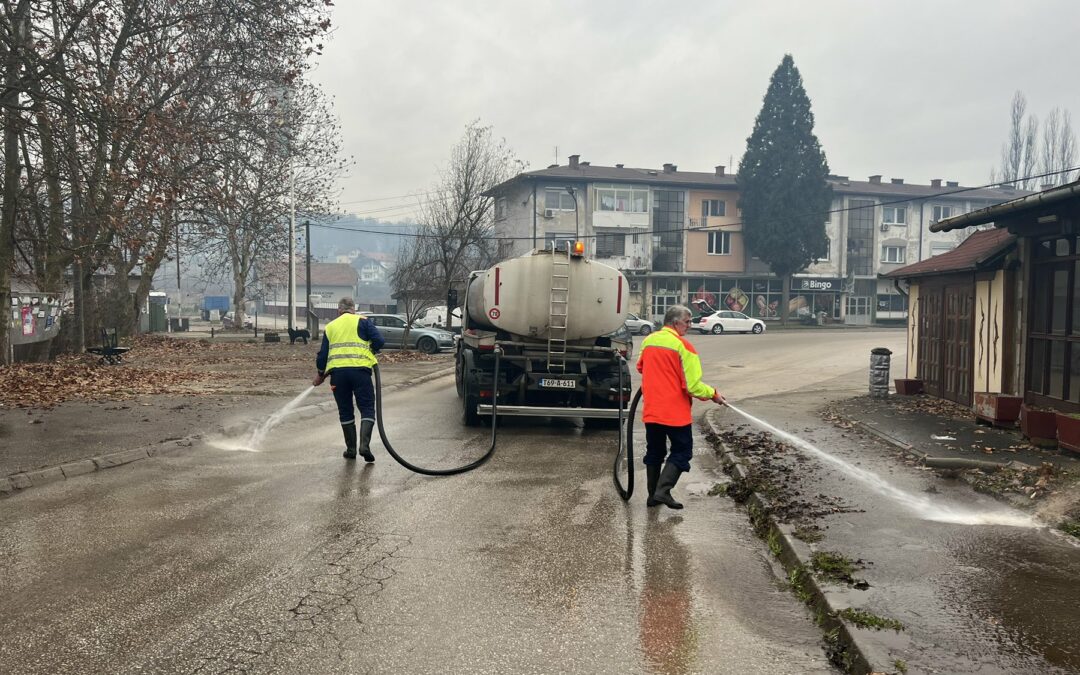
(350, 440)
(366, 427)
(668, 477)
(652, 472)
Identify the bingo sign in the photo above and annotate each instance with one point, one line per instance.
(494, 313)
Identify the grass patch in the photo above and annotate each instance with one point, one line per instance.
(864, 619)
(837, 651)
(799, 579)
(900, 665)
(774, 543)
(718, 489)
(833, 566)
(1070, 527)
(759, 520)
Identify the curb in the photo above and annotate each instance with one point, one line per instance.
(841, 638)
(888, 438)
(20, 482)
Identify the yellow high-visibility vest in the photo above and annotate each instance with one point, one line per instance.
(347, 349)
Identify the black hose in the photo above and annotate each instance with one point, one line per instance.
(628, 422)
(438, 472)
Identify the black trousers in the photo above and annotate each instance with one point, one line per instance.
(349, 384)
(682, 444)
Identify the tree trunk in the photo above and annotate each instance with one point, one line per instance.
(8, 211)
(785, 300)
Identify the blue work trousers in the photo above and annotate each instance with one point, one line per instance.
(350, 383)
(656, 444)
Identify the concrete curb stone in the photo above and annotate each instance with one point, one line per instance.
(18, 482)
(864, 654)
(120, 457)
(888, 438)
(45, 476)
(83, 466)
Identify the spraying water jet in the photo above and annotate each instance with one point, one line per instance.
(920, 505)
(253, 443)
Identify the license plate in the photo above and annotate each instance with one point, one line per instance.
(558, 384)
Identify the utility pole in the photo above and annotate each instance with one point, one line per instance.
(307, 267)
(179, 289)
(290, 321)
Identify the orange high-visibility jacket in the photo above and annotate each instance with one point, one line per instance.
(670, 377)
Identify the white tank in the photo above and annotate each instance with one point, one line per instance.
(515, 296)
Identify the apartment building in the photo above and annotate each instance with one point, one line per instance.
(678, 236)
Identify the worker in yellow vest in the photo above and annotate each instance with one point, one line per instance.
(350, 343)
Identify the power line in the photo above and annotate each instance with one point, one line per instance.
(384, 199)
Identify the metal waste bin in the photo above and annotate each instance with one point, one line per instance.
(880, 358)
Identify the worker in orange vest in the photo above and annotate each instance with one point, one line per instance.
(670, 380)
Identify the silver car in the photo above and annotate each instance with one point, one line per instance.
(427, 340)
(635, 324)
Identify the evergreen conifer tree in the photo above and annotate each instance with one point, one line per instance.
(785, 196)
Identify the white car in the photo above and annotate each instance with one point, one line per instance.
(638, 325)
(726, 321)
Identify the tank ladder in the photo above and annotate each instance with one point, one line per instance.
(558, 309)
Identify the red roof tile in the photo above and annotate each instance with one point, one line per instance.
(977, 248)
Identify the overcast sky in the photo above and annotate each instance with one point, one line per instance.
(918, 89)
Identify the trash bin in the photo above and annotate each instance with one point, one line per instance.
(880, 359)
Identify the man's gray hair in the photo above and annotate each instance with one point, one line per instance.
(346, 304)
(676, 312)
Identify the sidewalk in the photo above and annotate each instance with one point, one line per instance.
(38, 447)
(912, 572)
(926, 428)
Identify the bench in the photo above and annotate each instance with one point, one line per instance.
(109, 351)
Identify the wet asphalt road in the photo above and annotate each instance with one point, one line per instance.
(293, 560)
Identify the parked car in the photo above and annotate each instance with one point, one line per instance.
(726, 321)
(427, 340)
(638, 325)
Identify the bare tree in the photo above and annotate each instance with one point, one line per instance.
(1019, 153)
(415, 280)
(111, 111)
(457, 223)
(277, 154)
(1058, 148)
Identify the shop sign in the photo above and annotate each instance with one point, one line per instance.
(819, 285)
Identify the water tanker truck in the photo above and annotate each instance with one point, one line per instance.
(550, 314)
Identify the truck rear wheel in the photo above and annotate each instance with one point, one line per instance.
(459, 370)
(469, 395)
(469, 416)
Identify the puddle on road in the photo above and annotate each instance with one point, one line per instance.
(922, 506)
(1017, 594)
